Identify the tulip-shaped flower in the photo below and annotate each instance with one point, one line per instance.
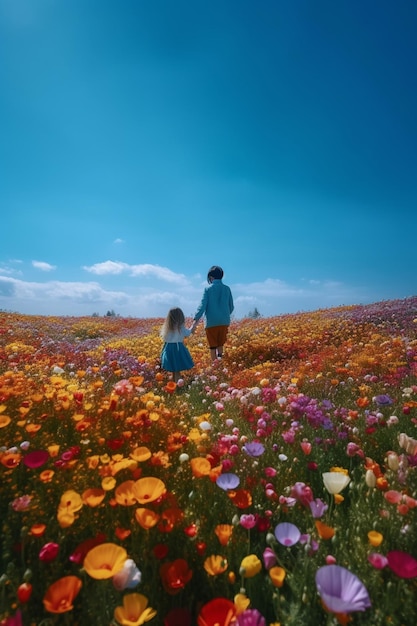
(335, 482)
(340, 590)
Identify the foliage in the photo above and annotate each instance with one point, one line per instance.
(98, 449)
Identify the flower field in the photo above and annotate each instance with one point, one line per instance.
(277, 486)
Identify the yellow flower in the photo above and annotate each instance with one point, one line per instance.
(241, 603)
(250, 566)
(105, 560)
(341, 470)
(375, 538)
(135, 610)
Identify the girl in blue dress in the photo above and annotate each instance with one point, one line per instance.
(175, 357)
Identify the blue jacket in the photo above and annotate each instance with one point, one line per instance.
(216, 304)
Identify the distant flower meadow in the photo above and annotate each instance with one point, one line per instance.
(277, 486)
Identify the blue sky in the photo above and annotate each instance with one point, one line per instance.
(144, 141)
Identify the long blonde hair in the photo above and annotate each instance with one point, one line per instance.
(173, 321)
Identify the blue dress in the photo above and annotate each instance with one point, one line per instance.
(175, 356)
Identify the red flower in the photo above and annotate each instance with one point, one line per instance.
(217, 612)
(175, 575)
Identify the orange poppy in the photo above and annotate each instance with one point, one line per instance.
(277, 575)
(125, 493)
(60, 595)
(146, 518)
(148, 489)
(37, 530)
(10, 459)
(200, 467)
(135, 610)
(215, 564)
(224, 533)
(324, 531)
(105, 560)
(93, 497)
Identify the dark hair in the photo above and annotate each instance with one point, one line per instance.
(214, 273)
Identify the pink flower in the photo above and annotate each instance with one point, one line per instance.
(22, 503)
(302, 493)
(379, 561)
(247, 521)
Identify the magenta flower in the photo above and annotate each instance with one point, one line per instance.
(247, 521)
(340, 590)
(269, 558)
(227, 481)
(402, 564)
(36, 459)
(287, 534)
(49, 552)
(13, 620)
(251, 617)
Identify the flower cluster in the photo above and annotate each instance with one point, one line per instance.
(276, 487)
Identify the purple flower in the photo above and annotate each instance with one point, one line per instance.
(318, 508)
(340, 590)
(227, 481)
(287, 534)
(251, 617)
(254, 449)
(382, 400)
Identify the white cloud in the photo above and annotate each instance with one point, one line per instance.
(146, 270)
(45, 267)
(118, 240)
(147, 299)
